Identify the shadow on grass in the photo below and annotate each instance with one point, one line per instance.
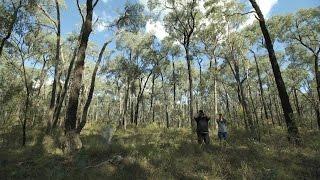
(163, 154)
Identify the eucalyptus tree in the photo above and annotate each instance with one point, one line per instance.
(45, 8)
(299, 70)
(181, 23)
(173, 51)
(9, 19)
(295, 76)
(302, 28)
(254, 39)
(209, 38)
(137, 48)
(30, 52)
(75, 86)
(293, 131)
(233, 49)
(91, 88)
(32, 43)
(233, 53)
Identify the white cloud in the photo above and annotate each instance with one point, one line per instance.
(105, 1)
(101, 26)
(156, 28)
(265, 6)
(102, 21)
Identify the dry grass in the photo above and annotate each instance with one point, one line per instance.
(158, 153)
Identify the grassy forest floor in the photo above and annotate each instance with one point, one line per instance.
(157, 153)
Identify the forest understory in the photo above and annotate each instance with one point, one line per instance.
(154, 152)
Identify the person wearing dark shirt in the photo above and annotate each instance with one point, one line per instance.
(202, 127)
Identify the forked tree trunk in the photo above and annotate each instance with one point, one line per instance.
(75, 86)
(91, 90)
(139, 97)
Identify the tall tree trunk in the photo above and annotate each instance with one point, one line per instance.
(174, 83)
(58, 107)
(260, 86)
(56, 77)
(125, 105)
(227, 103)
(270, 103)
(296, 100)
(131, 110)
(120, 103)
(152, 97)
(72, 108)
(317, 72)
(136, 112)
(27, 104)
(201, 94)
(25, 119)
(215, 100)
(242, 96)
(91, 90)
(248, 116)
(140, 96)
(175, 94)
(190, 88)
(255, 114)
(166, 101)
(293, 132)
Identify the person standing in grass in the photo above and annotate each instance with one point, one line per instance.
(222, 129)
(202, 127)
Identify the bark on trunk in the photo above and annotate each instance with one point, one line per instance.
(139, 97)
(242, 96)
(152, 97)
(125, 105)
(261, 86)
(91, 90)
(56, 77)
(296, 100)
(72, 108)
(190, 88)
(166, 101)
(174, 94)
(293, 132)
(58, 107)
(27, 103)
(215, 100)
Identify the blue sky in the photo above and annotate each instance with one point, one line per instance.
(288, 6)
(107, 10)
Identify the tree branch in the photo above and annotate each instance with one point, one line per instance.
(79, 9)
